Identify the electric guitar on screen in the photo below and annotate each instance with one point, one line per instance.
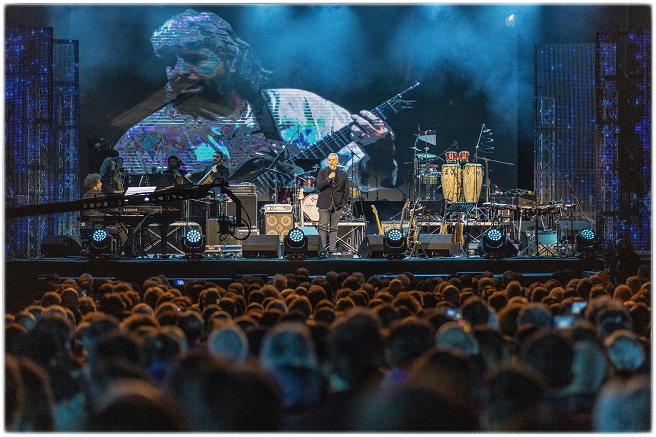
(338, 139)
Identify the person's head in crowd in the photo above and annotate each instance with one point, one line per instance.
(625, 352)
(13, 333)
(449, 372)
(229, 343)
(538, 294)
(25, 319)
(132, 322)
(548, 352)
(135, 405)
(622, 293)
(613, 318)
(113, 304)
(584, 331)
(598, 290)
(288, 354)
(191, 323)
(537, 314)
(589, 367)
(351, 282)
(494, 348)
(14, 399)
(37, 414)
(219, 397)
(451, 294)
(640, 319)
(406, 300)
(485, 282)
(414, 408)
(356, 350)
(386, 314)
(512, 397)
(644, 272)
(497, 301)
(583, 288)
(624, 406)
(475, 311)
(452, 335)
(407, 340)
(114, 345)
(50, 298)
(302, 305)
(280, 282)
(509, 276)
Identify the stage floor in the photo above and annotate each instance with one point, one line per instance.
(24, 278)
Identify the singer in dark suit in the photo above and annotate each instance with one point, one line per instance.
(331, 183)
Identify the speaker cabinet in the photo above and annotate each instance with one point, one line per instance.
(59, 246)
(248, 212)
(260, 246)
(546, 241)
(435, 245)
(371, 246)
(277, 223)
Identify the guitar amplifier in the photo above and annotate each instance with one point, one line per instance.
(244, 188)
(278, 207)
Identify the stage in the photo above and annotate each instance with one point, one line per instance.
(24, 278)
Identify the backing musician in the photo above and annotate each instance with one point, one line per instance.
(182, 177)
(215, 170)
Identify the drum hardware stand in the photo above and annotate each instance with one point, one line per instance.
(429, 137)
(536, 242)
(459, 211)
(484, 145)
(348, 213)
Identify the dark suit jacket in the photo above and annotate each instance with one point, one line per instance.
(328, 190)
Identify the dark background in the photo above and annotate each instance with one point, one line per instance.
(473, 66)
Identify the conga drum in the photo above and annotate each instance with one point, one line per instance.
(451, 157)
(463, 157)
(451, 178)
(472, 179)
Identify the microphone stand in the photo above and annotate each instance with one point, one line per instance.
(578, 205)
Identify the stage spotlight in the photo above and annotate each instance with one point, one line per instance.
(295, 244)
(100, 243)
(586, 243)
(495, 245)
(192, 244)
(510, 20)
(394, 245)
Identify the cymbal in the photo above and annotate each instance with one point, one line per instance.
(426, 156)
(427, 132)
(289, 168)
(282, 167)
(414, 148)
(387, 183)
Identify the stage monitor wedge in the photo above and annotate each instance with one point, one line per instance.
(261, 246)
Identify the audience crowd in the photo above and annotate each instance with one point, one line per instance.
(334, 352)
